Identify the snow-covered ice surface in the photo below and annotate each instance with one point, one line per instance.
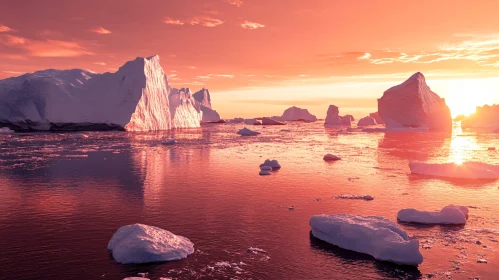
(465, 170)
(372, 235)
(138, 243)
(452, 214)
(63, 197)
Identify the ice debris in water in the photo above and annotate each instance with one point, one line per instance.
(466, 170)
(247, 132)
(79, 136)
(330, 157)
(481, 261)
(272, 163)
(256, 250)
(352, 196)
(167, 141)
(451, 214)
(264, 172)
(138, 243)
(376, 236)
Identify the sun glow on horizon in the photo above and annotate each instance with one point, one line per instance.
(463, 96)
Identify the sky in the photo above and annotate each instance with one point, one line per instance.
(259, 57)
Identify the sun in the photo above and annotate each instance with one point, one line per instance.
(465, 95)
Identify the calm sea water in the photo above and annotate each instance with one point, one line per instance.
(62, 198)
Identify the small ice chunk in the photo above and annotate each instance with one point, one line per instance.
(481, 261)
(79, 136)
(291, 208)
(352, 196)
(330, 157)
(247, 132)
(265, 167)
(264, 172)
(452, 214)
(5, 130)
(222, 264)
(272, 163)
(256, 250)
(138, 243)
(466, 170)
(376, 236)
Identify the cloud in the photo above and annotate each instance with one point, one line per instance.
(11, 40)
(192, 67)
(169, 20)
(237, 3)
(100, 63)
(364, 56)
(13, 72)
(251, 25)
(210, 76)
(203, 77)
(100, 30)
(205, 21)
(5, 28)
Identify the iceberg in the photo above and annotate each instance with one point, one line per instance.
(247, 132)
(272, 163)
(5, 130)
(377, 118)
(138, 243)
(452, 214)
(484, 117)
(270, 121)
(330, 157)
(466, 170)
(252, 121)
(366, 121)
(135, 98)
(203, 104)
(372, 235)
(237, 120)
(297, 114)
(333, 118)
(413, 104)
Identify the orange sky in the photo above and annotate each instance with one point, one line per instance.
(290, 52)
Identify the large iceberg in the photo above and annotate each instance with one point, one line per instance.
(484, 117)
(452, 214)
(333, 118)
(135, 98)
(203, 104)
(138, 243)
(372, 235)
(465, 170)
(295, 114)
(413, 104)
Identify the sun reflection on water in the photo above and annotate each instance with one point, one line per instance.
(462, 146)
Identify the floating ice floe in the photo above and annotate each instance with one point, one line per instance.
(5, 130)
(256, 250)
(269, 121)
(372, 235)
(79, 135)
(272, 163)
(466, 170)
(452, 214)
(481, 261)
(352, 196)
(264, 172)
(247, 132)
(330, 157)
(138, 243)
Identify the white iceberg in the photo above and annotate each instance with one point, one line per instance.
(352, 196)
(452, 214)
(366, 121)
(272, 163)
(203, 104)
(138, 243)
(296, 114)
(330, 157)
(269, 121)
(372, 235)
(413, 104)
(5, 130)
(247, 132)
(136, 98)
(466, 170)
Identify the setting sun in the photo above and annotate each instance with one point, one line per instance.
(463, 96)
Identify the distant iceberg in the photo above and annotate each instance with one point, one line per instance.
(372, 235)
(334, 119)
(484, 117)
(452, 214)
(296, 114)
(466, 170)
(203, 104)
(5, 130)
(138, 243)
(413, 104)
(366, 121)
(135, 98)
(247, 132)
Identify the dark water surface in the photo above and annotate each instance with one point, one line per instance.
(62, 197)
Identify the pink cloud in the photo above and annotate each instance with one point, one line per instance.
(100, 30)
(251, 25)
(205, 21)
(237, 3)
(5, 28)
(14, 40)
(100, 63)
(56, 48)
(169, 20)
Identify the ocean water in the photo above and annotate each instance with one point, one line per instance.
(62, 197)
